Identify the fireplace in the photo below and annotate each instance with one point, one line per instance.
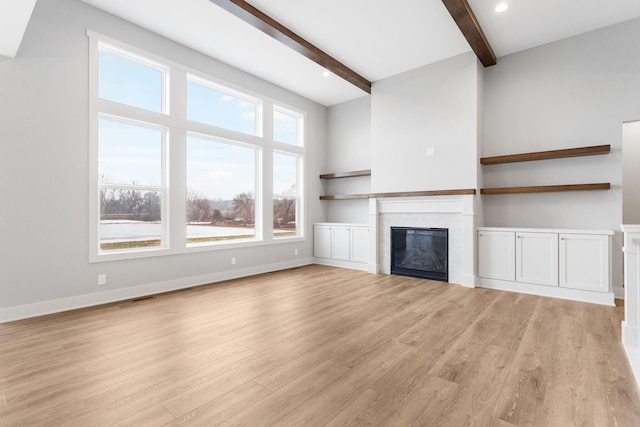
(420, 252)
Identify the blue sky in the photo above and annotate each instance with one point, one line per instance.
(130, 153)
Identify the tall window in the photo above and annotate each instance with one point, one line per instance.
(221, 190)
(184, 173)
(131, 184)
(285, 194)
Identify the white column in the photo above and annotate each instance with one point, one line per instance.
(373, 237)
(631, 323)
(468, 242)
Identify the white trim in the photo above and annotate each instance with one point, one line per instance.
(618, 291)
(221, 245)
(603, 298)
(342, 264)
(468, 281)
(548, 230)
(26, 311)
(432, 205)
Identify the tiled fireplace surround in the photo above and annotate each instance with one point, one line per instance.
(456, 213)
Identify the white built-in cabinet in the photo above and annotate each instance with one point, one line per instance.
(322, 241)
(585, 262)
(359, 236)
(497, 255)
(570, 264)
(537, 258)
(341, 245)
(341, 242)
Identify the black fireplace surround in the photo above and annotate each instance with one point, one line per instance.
(420, 252)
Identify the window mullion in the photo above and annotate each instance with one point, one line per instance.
(267, 194)
(177, 169)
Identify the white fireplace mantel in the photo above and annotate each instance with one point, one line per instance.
(457, 213)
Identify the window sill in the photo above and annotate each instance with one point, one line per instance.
(193, 248)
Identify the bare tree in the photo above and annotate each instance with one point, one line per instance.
(284, 208)
(244, 208)
(152, 206)
(198, 208)
(133, 202)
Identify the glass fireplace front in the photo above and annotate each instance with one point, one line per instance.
(420, 252)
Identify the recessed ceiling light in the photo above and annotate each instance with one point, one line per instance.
(326, 74)
(501, 7)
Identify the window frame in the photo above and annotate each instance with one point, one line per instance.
(211, 84)
(300, 210)
(300, 122)
(162, 188)
(146, 62)
(173, 119)
(257, 191)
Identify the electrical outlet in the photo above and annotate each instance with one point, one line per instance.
(431, 151)
(295, 252)
(233, 260)
(102, 279)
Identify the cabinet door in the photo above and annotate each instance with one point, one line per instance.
(584, 262)
(496, 255)
(360, 244)
(322, 241)
(340, 243)
(537, 258)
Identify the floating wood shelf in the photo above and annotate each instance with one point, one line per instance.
(546, 188)
(401, 194)
(544, 155)
(424, 193)
(366, 172)
(345, 197)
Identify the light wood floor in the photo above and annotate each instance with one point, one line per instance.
(320, 346)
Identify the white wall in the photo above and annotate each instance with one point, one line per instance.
(348, 149)
(44, 168)
(572, 93)
(631, 173)
(432, 106)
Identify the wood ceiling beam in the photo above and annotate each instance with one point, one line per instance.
(465, 19)
(269, 26)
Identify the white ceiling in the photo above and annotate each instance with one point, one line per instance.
(14, 17)
(530, 23)
(376, 38)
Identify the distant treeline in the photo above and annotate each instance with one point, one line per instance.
(133, 204)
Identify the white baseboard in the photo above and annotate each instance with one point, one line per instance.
(468, 281)
(603, 298)
(9, 314)
(342, 264)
